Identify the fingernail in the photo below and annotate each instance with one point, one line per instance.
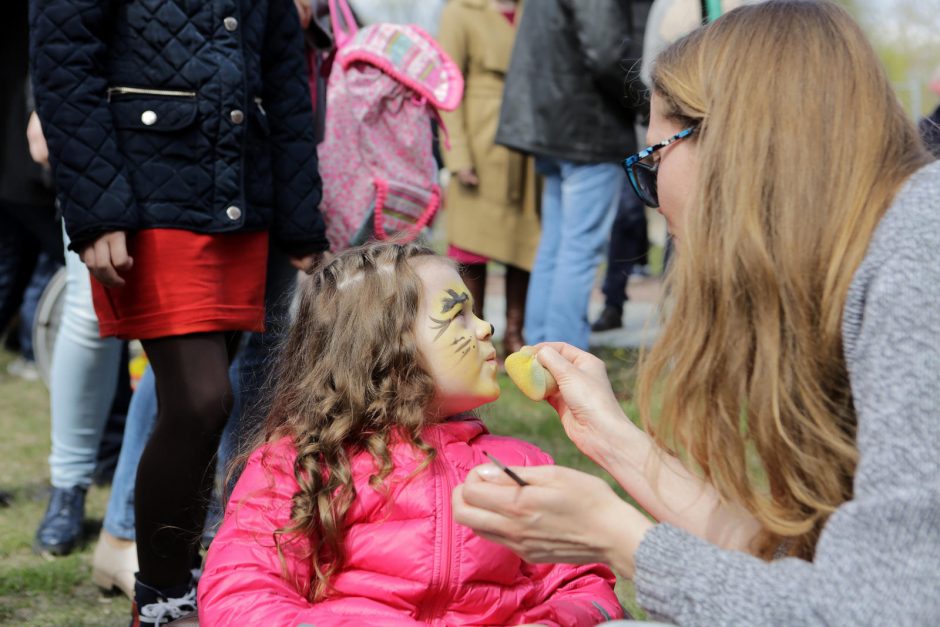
(488, 472)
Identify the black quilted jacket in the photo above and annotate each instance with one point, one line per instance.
(191, 114)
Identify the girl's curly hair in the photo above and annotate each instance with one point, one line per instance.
(348, 375)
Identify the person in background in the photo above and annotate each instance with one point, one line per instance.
(423, 13)
(30, 236)
(568, 101)
(492, 198)
(929, 126)
(789, 457)
(115, 558)
(627, 252)
(179, 140)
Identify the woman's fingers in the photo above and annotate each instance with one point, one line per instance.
(562, 515)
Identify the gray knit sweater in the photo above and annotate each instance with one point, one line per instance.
(878, 558)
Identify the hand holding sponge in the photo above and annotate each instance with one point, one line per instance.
(529, 375)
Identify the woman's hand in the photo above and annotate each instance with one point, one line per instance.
(563, 515)
(38, 149)
(585, 402)
(106, 257)
(468, 177)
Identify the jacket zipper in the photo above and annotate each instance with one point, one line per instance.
(447, 519)
(144, 91)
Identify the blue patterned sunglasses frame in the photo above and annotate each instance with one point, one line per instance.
(643, 175)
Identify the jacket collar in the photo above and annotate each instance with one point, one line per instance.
(462, 428)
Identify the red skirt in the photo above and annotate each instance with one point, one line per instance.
(184, 282)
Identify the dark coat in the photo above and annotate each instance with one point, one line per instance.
(929, 128)
(22, 181)
(568, 93)
(178, 114)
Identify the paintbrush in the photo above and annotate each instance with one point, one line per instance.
(506, 470)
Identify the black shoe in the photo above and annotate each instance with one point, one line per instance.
(153, 606)
(61, 527)
(610, 318)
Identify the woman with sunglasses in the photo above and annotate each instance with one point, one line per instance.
(791, 417)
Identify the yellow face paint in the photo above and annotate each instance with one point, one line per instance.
(455, 344)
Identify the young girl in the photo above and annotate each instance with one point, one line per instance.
(343, 512)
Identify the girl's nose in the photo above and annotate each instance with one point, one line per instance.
(485, 330)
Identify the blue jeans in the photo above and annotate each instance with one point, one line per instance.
(246, 374)
(628, 246)
(82, 382)
(578, 207)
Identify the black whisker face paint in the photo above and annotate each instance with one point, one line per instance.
(465, 344)
(440, 326)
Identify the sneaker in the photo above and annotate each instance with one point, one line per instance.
(23, 368)
(61, 527)
(610, 318)
(158, 607)
(114, 563)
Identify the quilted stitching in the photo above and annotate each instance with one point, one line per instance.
(185, 168)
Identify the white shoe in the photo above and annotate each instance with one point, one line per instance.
(23, 368)
(114, 563)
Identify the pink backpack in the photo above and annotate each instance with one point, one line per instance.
(379, 175)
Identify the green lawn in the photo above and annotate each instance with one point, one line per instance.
(37, 591)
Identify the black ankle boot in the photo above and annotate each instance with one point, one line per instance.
(61, 527)
(154, 606)
(610, 318)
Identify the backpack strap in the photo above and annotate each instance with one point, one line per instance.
(342, 21)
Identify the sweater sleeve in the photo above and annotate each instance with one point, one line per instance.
(68, 52)
(877, 559)
(453, 39)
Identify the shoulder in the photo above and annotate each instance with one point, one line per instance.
(904, 245)
(891, 318)
(270, 469)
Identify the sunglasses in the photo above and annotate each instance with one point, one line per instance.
(643, 175)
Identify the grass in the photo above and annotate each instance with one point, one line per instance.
(42, 591)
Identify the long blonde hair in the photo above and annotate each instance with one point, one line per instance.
(349, 379)
(800, 147)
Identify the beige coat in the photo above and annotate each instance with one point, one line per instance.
(499, 218)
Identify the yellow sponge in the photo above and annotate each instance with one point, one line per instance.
(529, 375)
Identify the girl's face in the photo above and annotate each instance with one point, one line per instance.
(455, 344)
(677, 171)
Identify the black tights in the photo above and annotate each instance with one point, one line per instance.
(177, 468)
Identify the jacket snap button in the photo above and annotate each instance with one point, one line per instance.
(230, 24)
(148, 117)
(233, 213)
(237, 116)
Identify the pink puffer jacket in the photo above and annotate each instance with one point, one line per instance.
(407, 562)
